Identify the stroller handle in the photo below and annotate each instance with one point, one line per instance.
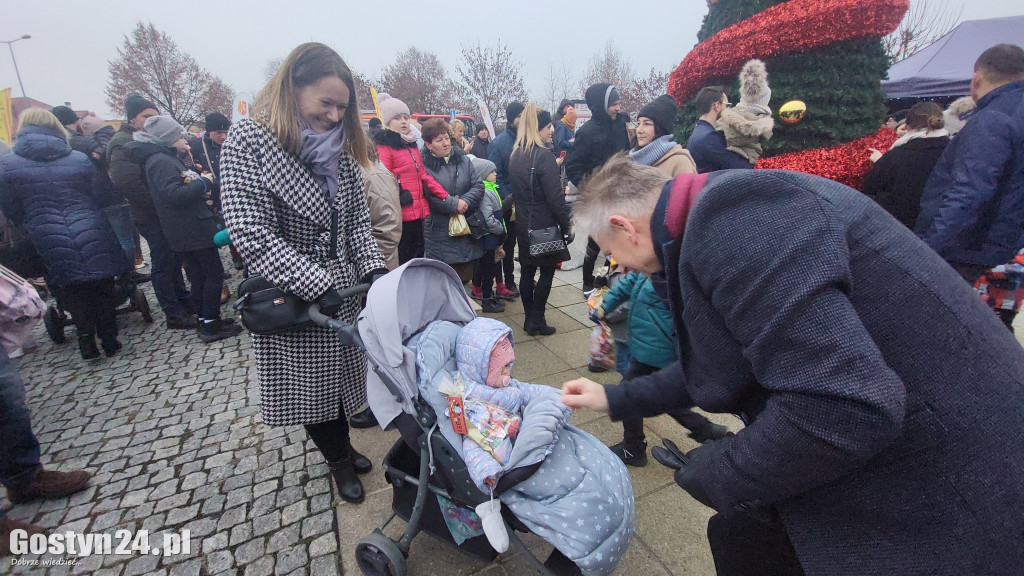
(347, 333)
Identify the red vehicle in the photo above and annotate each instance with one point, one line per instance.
(467, 119)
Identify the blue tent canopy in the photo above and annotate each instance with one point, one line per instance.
(945, 67)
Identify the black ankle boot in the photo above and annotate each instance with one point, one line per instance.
(361, 464)
(349, 487)
(87, 347)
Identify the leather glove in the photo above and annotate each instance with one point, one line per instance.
(373, 276)
(672, 457)
(330, 302)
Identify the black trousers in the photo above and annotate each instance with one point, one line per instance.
(485, 272)
(535, 292)
(93, 307)
(589, 261)
(411, 244)
(331, 437)
(633, 428)
(206, 273)
(746, 546)
(508, 264)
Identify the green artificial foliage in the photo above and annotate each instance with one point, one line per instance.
(840, 84)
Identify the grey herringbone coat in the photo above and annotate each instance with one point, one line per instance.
(279, 220)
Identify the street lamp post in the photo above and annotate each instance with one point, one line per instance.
(18, 74)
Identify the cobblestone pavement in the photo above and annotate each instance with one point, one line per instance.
(172, 431)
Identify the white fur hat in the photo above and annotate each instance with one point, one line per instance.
(754, 87)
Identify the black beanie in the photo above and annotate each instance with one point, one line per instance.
(662, 112)
(135, 104)
(65, 115)
(215, 121)
(543, 118)
(512, 111)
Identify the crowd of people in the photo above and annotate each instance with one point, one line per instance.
(868, 373)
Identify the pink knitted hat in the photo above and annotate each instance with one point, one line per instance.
(501, 355)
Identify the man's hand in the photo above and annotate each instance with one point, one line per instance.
(463, 206)
(584, 393)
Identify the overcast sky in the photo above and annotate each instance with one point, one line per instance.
(66, 58)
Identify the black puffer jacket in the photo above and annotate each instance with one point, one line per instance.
(598, 139)
(456, 176)
(127, 176)
(897, 180)
(540, 203)
(47, 187)
(184, 216)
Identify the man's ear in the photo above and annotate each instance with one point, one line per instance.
(618, 222)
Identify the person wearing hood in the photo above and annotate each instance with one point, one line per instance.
(706, 144)
(654, 145)
(396, 148)
(453, 170)
(491, 235)
(596, 141)
(565, 127)
(499, 152)
(748, 125)
(896, 181)
(180, 197)
(46, 187)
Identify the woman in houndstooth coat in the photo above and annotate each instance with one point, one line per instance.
(283, 174)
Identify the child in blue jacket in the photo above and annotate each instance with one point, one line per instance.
(652, 347)
(491, 236)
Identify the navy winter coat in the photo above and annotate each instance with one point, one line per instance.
(499, 152)
(972, 210)
(47, 187)
(707, 146)
(884, 400)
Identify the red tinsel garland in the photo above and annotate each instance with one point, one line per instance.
(791, 27)
(848, 163)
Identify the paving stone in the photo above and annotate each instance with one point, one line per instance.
(294, 512)
(215, 542)
(317, 525)
(283, 538)
(261, 567)
(324, 566)
(266, 523)
(179, 515)
(324, 545)
(141, 565)
(250, 551)
(191, 568)
(219, 561)
(241, 533)
(292, 559)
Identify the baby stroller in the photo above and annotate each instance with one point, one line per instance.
(422, 462)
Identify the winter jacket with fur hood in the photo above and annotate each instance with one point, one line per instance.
(403, 159)
(746, 131)
(598, 139)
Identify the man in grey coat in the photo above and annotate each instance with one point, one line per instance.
(884, 408)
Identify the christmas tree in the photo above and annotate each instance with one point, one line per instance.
(825, 53)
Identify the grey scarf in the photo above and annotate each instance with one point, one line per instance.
(653, 152)
(322, 154)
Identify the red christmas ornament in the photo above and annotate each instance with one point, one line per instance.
(847, 163)
(796, 26)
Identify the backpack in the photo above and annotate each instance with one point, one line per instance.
(21, 308)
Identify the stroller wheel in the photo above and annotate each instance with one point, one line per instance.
(378, 555)
(54, 325)
(141, 304)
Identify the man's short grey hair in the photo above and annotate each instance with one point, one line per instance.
(620, 187)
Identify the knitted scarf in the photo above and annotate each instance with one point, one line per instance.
(653, 152)
(321, 153)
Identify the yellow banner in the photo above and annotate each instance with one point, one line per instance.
(373, 94)
(6, 120)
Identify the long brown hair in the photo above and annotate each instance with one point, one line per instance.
(277, 108)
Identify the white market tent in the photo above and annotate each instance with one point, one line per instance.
(944, 68)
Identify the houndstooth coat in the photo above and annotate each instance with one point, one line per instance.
(279, 220)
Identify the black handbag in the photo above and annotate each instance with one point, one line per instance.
(267, 309)
(545, 242)
(404, 196)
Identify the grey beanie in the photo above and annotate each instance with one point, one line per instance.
(482, 168)
(164, 129)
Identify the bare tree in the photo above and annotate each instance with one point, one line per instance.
(271, 67)
(611, 66)
(150, 64)
(559, 83)
(494, 74)
(418, 79)
(646, 89)
(924, 23)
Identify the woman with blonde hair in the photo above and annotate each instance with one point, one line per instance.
(293, 200)
(457, 131)
(540, 203)
(46, 187)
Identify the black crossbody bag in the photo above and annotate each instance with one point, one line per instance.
(267, 310)
(545, 242)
